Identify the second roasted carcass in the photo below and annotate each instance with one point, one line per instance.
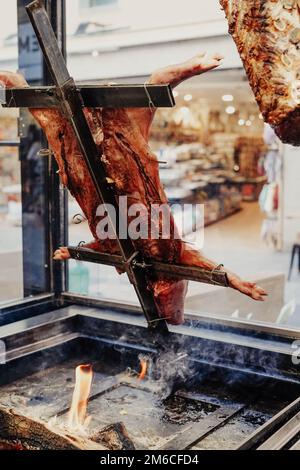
(267, 35)
(122, 138)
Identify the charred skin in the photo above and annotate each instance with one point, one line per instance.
(267, 35)
(122, 138)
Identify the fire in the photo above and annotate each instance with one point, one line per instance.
(77, 414)
(143, 369)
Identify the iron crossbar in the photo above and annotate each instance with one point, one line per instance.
(93, 96)
(176, 271)
(9, 143)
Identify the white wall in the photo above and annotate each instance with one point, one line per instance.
(142, 61)
(145, 13)
(159, 33)
(149, 14)
(8, 18)
(291, 194)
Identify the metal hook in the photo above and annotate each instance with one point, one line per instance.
(45, 153)
(78, 219)
(143, 265)
(218, 268)
(151, 104)
(77, 255)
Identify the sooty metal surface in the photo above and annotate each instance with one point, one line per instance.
(161, 412)
(185, 402)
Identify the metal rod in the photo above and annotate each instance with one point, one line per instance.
(58, 208)
(93, 96)
(271, 427)
(190, 273)
(283, 436)
(9, 143)
(71, 106)
(296, 446)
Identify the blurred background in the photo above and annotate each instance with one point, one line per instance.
(217, 149)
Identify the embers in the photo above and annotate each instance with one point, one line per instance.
(180, 410)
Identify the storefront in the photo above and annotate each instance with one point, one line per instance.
(215, 152)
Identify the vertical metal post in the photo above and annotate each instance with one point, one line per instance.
(57, 194)
(43, 202)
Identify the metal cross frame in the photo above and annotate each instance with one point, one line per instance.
(71, 99)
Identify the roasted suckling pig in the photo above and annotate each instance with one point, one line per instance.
(122, 138)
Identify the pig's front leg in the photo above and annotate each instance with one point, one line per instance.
(176, 74)
(173, 75)
(191, 257)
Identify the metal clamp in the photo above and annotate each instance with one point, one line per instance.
(216, 271)
(65, 95)
(157, 320)
(218, 268)
(45, 152)
(77, 255)
(143, 264)
(129, 265)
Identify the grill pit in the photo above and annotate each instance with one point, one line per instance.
(183, 403)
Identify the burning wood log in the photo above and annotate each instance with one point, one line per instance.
(115, 437)
(38, 435)
(144, 367)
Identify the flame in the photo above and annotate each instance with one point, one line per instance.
(143, 369)
(77, 414)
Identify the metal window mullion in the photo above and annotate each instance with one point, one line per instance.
(57, 195)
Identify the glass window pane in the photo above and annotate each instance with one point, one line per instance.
(91, 279)
(11, 270)
(11, 278)
(24, 250)
(217, 152)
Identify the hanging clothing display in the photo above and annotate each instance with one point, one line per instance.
(269, 197)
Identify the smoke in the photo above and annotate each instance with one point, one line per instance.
(189, 356)
(169, 371)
